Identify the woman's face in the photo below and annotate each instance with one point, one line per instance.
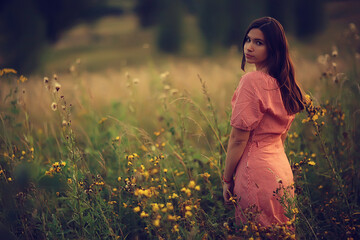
(255, 49)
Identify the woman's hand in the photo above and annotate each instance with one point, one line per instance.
(228, 191)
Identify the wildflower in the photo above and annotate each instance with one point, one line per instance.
(57, 87)
(23, 152)
(119, 179)
(102, 120)
(114, 189)
(191, 184)
(155, 207)
(125, 205)
(313, 155)
(23, 79)
(170, 206)
(174, 195)
(166, 74)
(156, 222)
(136, 209)
(165, 170)
(197, 188)
(312, 163)
(188, 214)
(171, 217)
(63, 163)
(334, 51)
(6, 71)
(69, 181)
(9, 179)
(175, 228)
(205, 175)
(143, 214)
(232, 199)
(135, 80)
(54, 106)
(174, 91)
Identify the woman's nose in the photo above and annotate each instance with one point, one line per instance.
(249, 47)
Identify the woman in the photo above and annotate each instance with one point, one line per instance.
(263, 108)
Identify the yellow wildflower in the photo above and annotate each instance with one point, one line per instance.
(175, 228)
(69, 181)
(192, 184)
(156, 222)
(143, 214)
(136, 209)
(155, 207)
(188, 214)
(170, 206)
(197, 188)
(312, 163)
(23, 78)
(206, 175)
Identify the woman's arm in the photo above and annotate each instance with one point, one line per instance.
(236, 146)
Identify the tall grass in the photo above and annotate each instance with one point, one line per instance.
(149, 164)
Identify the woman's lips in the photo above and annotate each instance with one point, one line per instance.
(249, 56)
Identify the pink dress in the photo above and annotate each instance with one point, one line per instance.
(257, 107)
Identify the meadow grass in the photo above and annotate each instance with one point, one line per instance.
(78, 163)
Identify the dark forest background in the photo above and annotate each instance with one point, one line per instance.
(26, 26)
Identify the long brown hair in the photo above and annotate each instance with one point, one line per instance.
(279, 64)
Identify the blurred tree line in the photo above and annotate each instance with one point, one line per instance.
(27, 25)
(223, 22)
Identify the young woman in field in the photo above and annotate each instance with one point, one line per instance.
(263, 108)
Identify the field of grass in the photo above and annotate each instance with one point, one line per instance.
(127, 143)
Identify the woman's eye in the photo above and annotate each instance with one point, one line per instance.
(259, 43)
(247, 39)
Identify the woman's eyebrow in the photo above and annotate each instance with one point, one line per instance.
(256, 39)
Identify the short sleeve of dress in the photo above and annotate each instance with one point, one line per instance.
(247, 104)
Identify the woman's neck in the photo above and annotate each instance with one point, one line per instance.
(261, 68)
